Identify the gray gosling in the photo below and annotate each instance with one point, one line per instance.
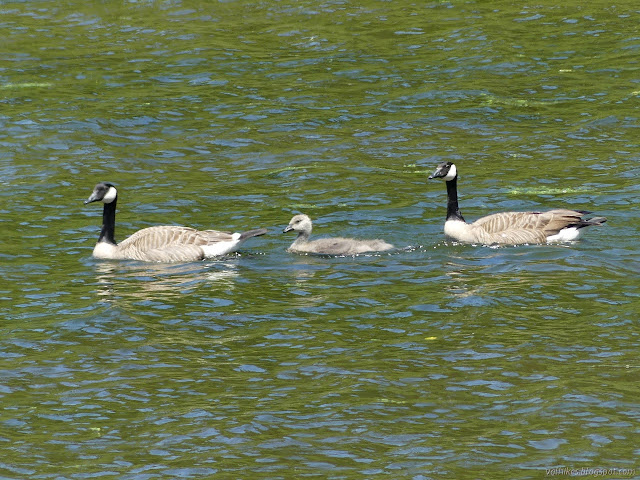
(510, 228)
(329, 246)
(166, 243)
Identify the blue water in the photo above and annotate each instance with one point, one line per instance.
(437, 360)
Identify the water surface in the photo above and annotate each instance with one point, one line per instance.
(435, 361)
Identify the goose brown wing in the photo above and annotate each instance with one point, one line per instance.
(173, 253)
(556, 220)
(215, 236)
(501, 222)
(515, 236)
(161, 237)
(525, 227)
(169, 243)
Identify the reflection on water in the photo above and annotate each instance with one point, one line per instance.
(137, 280)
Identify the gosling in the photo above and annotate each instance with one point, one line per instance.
(329, 246)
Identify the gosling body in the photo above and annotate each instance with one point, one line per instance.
(329, 246)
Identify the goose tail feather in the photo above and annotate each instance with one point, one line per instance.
(253, 233)
(592, 221)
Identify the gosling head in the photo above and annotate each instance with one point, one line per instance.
(103, 192)
(446, 171)
(300, 224)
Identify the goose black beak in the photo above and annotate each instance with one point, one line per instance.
(288, 228)
(444, 170)
(437, 174)
(91, 199)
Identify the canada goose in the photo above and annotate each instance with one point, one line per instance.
(166, 243)
(329, 246)
(509, 228)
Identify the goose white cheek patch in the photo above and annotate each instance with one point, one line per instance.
(452, 173)
(110, 196)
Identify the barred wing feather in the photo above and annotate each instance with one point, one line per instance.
(168, 243)
(524, 227)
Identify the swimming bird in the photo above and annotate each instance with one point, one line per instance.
(510, 228)
(329, 246)
(165, 243)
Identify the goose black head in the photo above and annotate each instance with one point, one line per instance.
(103, 192)
(446, 171)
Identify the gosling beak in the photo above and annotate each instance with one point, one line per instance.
(288, 228)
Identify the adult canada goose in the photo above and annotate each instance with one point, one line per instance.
(509, 228)
(166, 243)
(329, 246)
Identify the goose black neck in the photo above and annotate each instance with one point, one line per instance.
(107, 234)
(453, 212)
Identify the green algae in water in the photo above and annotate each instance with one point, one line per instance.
(545, 191)
(20, 85)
